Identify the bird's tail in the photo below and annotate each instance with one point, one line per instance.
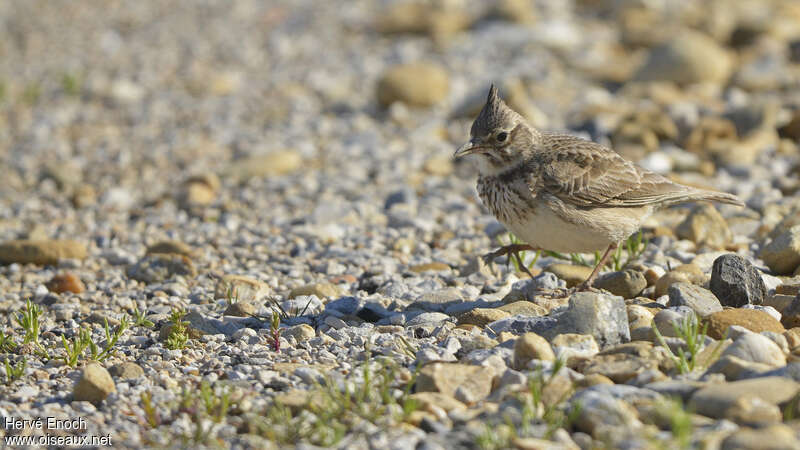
(714, 196)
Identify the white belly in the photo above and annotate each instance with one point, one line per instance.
(545, 230)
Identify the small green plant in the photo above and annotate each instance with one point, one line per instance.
(204, 406)
(29, 321)
(16, 371)
(179, 334)
(275, 306)
(151, 415)
(7, 344)
(71, 84)
(634, 246)
(275, 331)
(535, 410)
(231, 295)
(74, 349)
(111, 339)
(140, 320)
(3, 90)
(213, 403)
(694, 335)
(31, 93)
(380, 397)
(680, 422)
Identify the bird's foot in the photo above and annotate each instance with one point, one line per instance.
(512, 250)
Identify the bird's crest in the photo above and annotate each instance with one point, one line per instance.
(493, 115)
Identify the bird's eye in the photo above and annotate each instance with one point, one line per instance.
(501, 136)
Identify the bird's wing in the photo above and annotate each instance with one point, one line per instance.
(585, 173)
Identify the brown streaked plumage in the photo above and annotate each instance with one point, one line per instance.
(563, 193)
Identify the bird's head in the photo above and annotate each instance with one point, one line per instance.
(499, 139)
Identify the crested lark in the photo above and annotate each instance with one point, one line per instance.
(563, 193)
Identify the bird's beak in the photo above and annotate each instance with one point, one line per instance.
(466, 149)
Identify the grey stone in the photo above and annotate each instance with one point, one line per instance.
(700, 300)
(626, 284)
(428, 318)
(600, 315)
(736, 282)
(347, 306)
(756, 348)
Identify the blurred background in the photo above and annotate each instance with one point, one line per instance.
(307, 111)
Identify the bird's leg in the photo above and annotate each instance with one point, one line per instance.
(512, 250)
(586, 285)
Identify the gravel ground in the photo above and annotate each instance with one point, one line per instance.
(238, 224)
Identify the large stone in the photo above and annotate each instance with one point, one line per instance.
(753, 320)
(481, 316)
(416, 84)
(689, 57)
(687, 273)
(415, 17)
(600, 411)
(773, 437)
(791, 314)
(700, 300)
(300, 333)
(756, 348)
(705, 226)
(524, 308)
(126, 370)
(716, 399)
(94, 385)
(467, 383)
(626, 284)
(618, 367)
(428, 401)
(438, 300)
(600, 315)
(736, 282)
(240, 287)
(42, 252)
(162, 266)
(531, 346)
(782, 254)
(569, 346)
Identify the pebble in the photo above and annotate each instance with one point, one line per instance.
(66, 282)
(736, 282)
(482, 316)
(688, 57)
(700, 300)
(42, 252)
(625, 284)
(782, 254)
(753, 320)
(161, 267)
(531, 346)
(421, 84)
(705, 226)
(94, 384)
(756, 348)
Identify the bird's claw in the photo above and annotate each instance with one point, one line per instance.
(512, 250)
